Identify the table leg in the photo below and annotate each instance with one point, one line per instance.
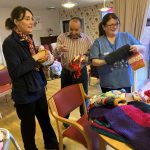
(102, 144)
(0, 116)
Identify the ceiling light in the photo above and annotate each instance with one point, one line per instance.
(69, 4)
(104, 8)
(51, 7)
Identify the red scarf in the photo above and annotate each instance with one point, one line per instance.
(27, 38)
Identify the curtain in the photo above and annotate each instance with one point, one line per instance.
(132, 15)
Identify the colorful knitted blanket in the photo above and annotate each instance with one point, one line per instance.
(111, 98)
(128, 123)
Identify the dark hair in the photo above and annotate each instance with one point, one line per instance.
(17, 13)
(76, 19)
(106, 18)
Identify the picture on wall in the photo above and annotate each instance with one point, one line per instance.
(37, 23)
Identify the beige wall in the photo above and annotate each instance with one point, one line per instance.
(91, 17)
(49, 18)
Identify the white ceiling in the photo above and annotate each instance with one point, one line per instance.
(43, 4)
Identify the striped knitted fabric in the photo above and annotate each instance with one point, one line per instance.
(147, 93)
(131, 122)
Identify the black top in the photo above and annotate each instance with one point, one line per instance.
(27, 84)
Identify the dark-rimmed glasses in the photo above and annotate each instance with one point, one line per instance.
(113, 25)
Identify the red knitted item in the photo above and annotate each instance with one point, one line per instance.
(136, 61)
(147, 93)
(75, 65)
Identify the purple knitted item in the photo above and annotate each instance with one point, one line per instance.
(131, 123)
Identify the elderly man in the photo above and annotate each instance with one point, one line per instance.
(69, 45)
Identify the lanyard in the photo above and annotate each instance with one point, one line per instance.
(113, 46)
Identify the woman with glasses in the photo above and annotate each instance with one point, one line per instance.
(109, 53)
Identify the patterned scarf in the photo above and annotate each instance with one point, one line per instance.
(30, 43)
(28, 39)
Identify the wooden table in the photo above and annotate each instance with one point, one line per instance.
(117, 145)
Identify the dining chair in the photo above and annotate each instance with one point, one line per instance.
(64, 102)
(5, 83)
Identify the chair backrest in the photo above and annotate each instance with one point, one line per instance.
(68, 99)
(4, 77)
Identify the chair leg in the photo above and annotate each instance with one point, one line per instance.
(60, 143)
(6, 98)
(0, 116)
(89, 79)
(102, 144)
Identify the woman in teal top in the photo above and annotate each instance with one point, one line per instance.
(116, 75)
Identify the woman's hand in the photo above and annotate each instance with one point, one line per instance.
(45, 58)
(41, 56)
(134, 48)
(98, 62)
(137, 48)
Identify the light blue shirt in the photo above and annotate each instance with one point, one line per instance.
(119, 74)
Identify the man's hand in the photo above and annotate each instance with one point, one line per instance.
(84, 58)
(137, 48)
(63, 48)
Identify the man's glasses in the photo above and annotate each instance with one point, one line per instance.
(113, 25)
